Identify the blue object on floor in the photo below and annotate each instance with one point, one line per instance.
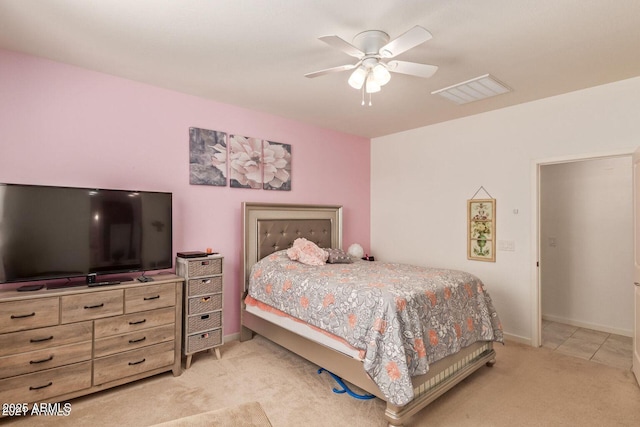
(345, 388)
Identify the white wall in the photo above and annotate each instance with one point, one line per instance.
(586, 244)
(421, 179)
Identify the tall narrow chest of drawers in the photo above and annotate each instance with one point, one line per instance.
(203, 297)
(59, 344)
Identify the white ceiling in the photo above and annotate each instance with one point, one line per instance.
(254, 53)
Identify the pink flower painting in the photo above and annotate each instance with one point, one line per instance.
(256, 163)
(246, 162)
(277, 165)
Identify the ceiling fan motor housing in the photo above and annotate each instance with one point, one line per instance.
(371, 41)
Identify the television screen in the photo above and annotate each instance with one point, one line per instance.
(62, 232)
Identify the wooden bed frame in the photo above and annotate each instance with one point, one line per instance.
(271, 227)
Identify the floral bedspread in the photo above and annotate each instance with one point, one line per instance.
(404, 317)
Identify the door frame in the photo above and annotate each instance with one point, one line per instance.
(536, 291)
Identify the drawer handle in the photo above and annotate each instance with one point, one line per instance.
(35, 362)
(34, 340)
(138, 340)
(22, 316)
(42, 386)
(139, 322)
(206, 299)
(137, 363)
(94, 306)
(151, 298)
(206, 281)
(204, 262)
(205, 317)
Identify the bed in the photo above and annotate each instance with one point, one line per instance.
(268, 230)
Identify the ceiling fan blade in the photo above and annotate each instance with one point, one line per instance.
(343, 45)
(412, 38)
(332, 70)
(412, 68)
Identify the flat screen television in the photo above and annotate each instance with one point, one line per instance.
(62, 232)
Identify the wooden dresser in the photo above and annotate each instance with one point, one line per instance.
(59, 344)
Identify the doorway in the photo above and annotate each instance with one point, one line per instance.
(586, 254)
(582, 221)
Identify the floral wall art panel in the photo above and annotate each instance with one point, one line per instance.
(245, 162)
(207, 157)
(481, 242)
(276, 160)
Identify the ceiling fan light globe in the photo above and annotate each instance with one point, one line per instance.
(381, 75)
(372, 86)
(357, 78)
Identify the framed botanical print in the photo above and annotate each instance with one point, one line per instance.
(481, 229)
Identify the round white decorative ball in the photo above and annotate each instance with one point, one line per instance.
(356, 251)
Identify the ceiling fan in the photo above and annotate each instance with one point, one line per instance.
(373, 49)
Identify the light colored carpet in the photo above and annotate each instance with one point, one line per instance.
(247, 415)
(526, 387)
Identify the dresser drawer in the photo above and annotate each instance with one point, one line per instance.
(149, 297)
(92, 305)
(25, 363)
(43, 385)
(205, 285)
(28, 314)
(134, 322)
(205, 304)
(134, 340)
(204, 322)
(122, 365)
(36, 339)
(204, 341)
(201, 267)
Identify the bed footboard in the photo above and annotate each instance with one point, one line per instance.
(447, 376)
(442, 376)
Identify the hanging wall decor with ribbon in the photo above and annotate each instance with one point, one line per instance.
(481, 227)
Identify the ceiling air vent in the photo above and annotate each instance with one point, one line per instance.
(473, 90)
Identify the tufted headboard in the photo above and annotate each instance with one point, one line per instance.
(278, 234)
(272, 227)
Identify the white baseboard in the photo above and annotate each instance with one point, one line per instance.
(232, 337)
(517, 338)
(587, 325)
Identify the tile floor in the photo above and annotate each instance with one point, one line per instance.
(602, 347)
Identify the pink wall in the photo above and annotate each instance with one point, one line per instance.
(62, 125)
